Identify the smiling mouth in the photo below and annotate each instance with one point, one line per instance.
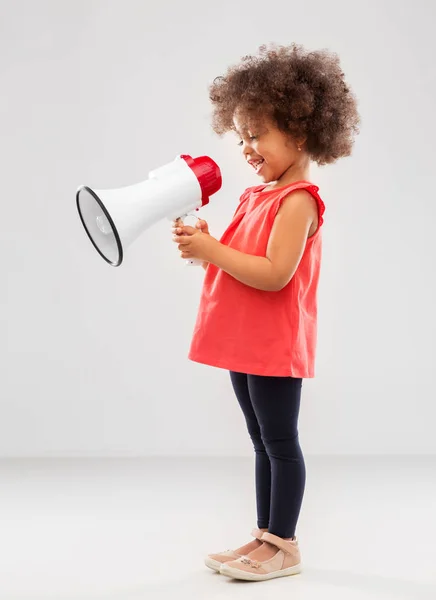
(257, 164)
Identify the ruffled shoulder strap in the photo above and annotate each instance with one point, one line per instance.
(299, 185)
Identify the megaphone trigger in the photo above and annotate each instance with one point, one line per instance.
(184, 217)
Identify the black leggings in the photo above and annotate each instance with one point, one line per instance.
(271, 406)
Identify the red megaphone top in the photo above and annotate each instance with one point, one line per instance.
(208, 174)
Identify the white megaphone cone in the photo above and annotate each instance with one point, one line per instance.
(113, 219)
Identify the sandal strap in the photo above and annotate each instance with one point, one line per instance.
(257, 533)
(279, 542)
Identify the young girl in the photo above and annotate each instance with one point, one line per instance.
(258, 309)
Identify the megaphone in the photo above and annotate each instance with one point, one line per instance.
(113, 219)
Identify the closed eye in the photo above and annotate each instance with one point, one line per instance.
(251, 138)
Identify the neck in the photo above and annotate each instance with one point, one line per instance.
(298, 171)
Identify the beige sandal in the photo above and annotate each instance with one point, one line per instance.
(215, 561)
(287, 561)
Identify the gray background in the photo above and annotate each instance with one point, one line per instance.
(92, 358)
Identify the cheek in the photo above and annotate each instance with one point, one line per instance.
(268, 152)
(262, 151)
(268, 156)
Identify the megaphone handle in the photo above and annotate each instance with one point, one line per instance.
(192, 262)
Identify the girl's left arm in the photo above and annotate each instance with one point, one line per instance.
(286, 245)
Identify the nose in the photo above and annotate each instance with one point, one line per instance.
(246, 149)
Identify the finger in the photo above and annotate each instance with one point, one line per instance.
(182, 240)
(189, 230)
(185, 231)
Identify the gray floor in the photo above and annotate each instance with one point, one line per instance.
(133, 529)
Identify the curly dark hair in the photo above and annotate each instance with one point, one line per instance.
(303, 92)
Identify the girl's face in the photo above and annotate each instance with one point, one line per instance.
(269, 151)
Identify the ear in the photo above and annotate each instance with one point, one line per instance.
(294, 142)
(301, 141)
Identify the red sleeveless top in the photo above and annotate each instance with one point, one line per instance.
(243, 329)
